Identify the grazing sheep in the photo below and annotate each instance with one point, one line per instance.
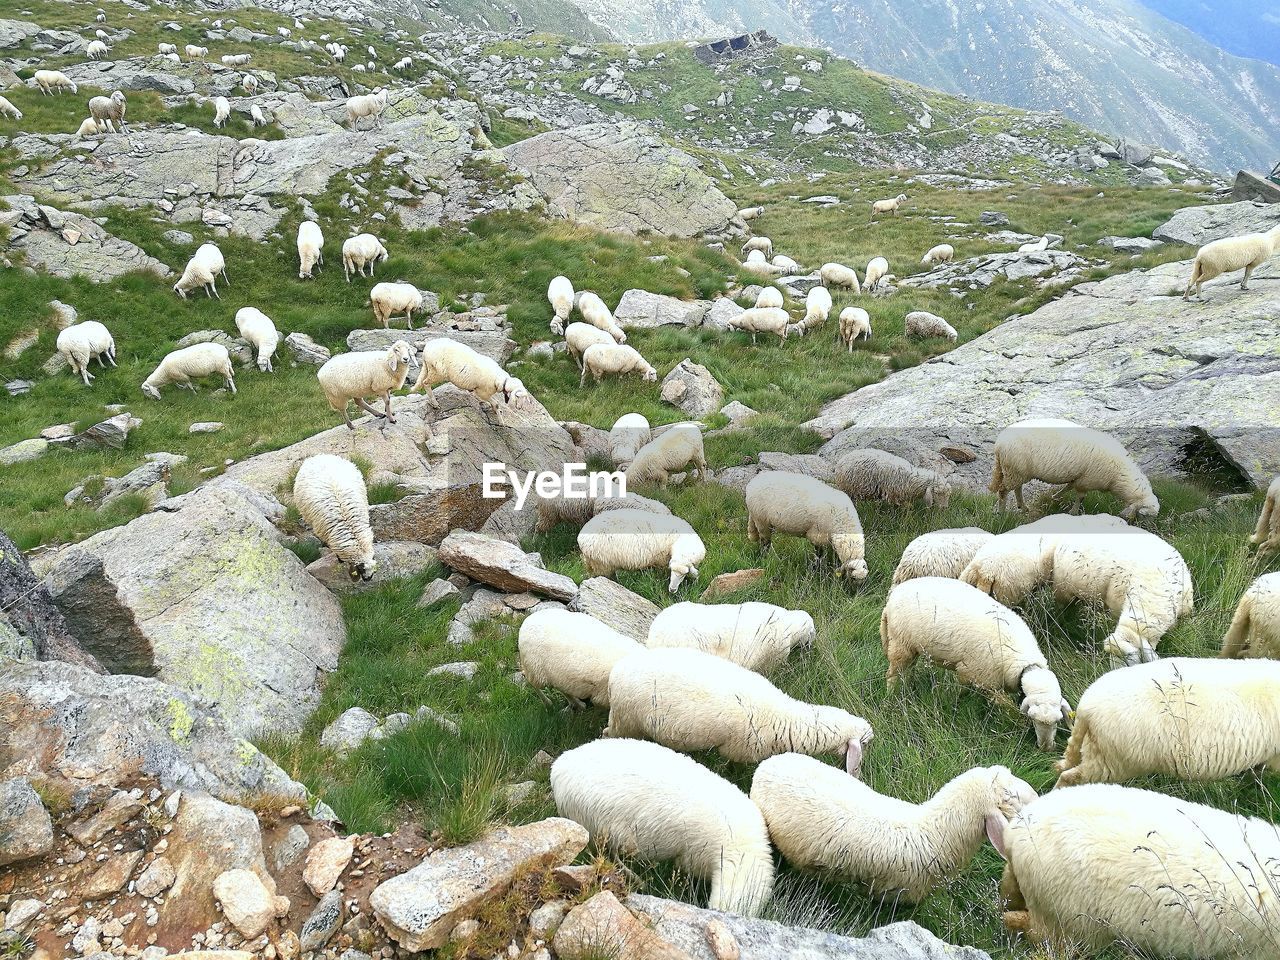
(629, 433)
(1266, 535)
(579, 336)
(769, 298)
(389, 299)
(817, 308)
(838, 275)
(331, 496)
(690, 700)
(221, 110)
(763, 320)
(677, 448)
(763, 244)
(757, 636)
(877, 475)
(631, 539)
(108, 109)
(100, 17)
(823, 819)
(236, 59)
(448, 360)
(358, 68)
(257, 328)
(793, 503)
(1060, 451)
(921, 325)
(365, 373)
(877, 270)
(854, 323)
(888, 206)
(560, 296)
(250, 83)
(785, 264)
(196, 53)
(1246, 253)
(756, 260)
(642, 799)
(7, 109)
(571, 652)
(940, 553)
(167, 48)
(191, 363)
(54, 81)
(202, 270)
(359, 252)
(615, 360)
(577, 511)
(81, 342)
(96, 50)
(750, 213)
(257, 116)
(1255, 628)
(1166, 877)
(987, 645)
(369, 105)
(102, 35)
(942, 253)
(594, 312)
(310, 248)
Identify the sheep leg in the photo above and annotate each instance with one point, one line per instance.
(346, 417)
(363, 405)
(1017, 494)
(408, 315)
(386, 406)
(1244, 284)
(1264, 522)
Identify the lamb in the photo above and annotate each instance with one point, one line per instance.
(1266, 535)
(90, 127)
(641, 798)
(921, 325)
(96, 50)
(331, 496)
(817, 308)
(7, 109)
(108, 109)
(690, 700)
(594, 312)
(579, 336)
(359, 252)
(202, 270)
(638, 540)
(877, 475)
(677, 448)
(823, 819)
(448, 360)
(988, 646)
(769, 297)
(310, 248)
(256, 327)
(854, 323)
(1232, 253)
(1255, 628)
(793, 503)
(1166, 877)
(838, 275)
(614, 359)
(1036, 246)
(257, 116)
(191, 363)
(785, 264)
(571, 652)
(221, 110)
(628, 434)
(560, 296)
(250, 83)
(1060, 451)
(940, 553)
(942, 253)
(763, 244)
(54, 81)
(757, 636)
(236, 59)
(365, 373)
(763, 320)
(194, 52)
(391, 298)
(81, 342)
(877, 270)
(888, 206)
(369, 105)
(167, 48)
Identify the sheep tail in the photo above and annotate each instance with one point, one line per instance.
(1075, 744)
(997, 477)
(1234, 643)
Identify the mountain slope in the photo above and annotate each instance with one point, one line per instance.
(1237, 26)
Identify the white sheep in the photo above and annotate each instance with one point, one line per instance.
(756, 260)
(594, 312)
(757, 636)
(368, 105)
(100, 17)
(571, 652)
(940, 553)
(448, 360)
(257, 116)
(54, 81)
(877, 270)
(614, 360)
(250, 83)
(90, 127)
(690, 700)
(560, 296)
(164, 48)
(878, 475)
(888, 206)
(202, 270)
(643, 799)
(750, 213)
(257, 328)
(987, 645)
(675, 449)
(785, 264)
(579, 336)
(81, 342)
(838, 275)
(108, 109)
(762, 320)
(221, 110)
(1035, 246)
(310, 248)
(194, 52)
(817, 308)
(632, 539)
(1232, 253)
(236, 59)
(365, 373)
(763, 244)
(96, 50)
(794, 503)
(628, 434)
(361, 251)
(942, 253)
(1166, 877)
(854, 323)
(1083, 459)
(921, 325)
(1255, 628)
(330, 494)
(102, 35)
(7, 109)
(769, 298)
(820, 818)
(191, 363)
(1266, 535)
(389, 299)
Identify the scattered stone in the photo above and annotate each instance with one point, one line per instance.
(306, 350)
(603, 927)
(21, 914)
(728, 583)
(178, 237)
(464, 670)
(437, 590)
(613, 604)
(324, 921)
(993, 218)
(26, 830)
(739, 413)
(289, 848)
(691, 387)
(156, 878)
(208, 426)
(119, 808)
(325, 863)
(502, 565)
(640, 309)
(546, 919)
(111, 876)
(111, 433)
(1130, 244)
(354, 726)
(246, 902)
(24, 451)
(809, 464)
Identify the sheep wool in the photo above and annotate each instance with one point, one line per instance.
(940, 553)
(108, 109)
(838, 275)
(1266, 535)
(878, 475)
(757, 636)
(820, 818)
(921, 325)
(360, 252)
(690, 700)
(769, 297)
(763, 244)
(191, 363)
(369, 105)
(594, 312)
(330, 494)
(628, 434)
(221, 110)
(942, 253)
(756, 320)
(571, 652)
(855, 323)
(1232, 253)
(676, 448)
(310, 248)
(642, 799)
(256, 327)
(1101, 863)
(786, 264)
(560, 296)
(877, 270)
(444, 360)
(50, 82)
(888, 206)
(365, 373)
(1255, 628)
(388, 299)
(803, 506)
(7, 109)
(639, 540)
(81, 342)
(579, 336)
(817, 307)
(615, 360)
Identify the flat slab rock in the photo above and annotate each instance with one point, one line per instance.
(613, 604)
(502, 565)
(1200, 225)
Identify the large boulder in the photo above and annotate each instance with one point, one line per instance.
(501, 564)
(614, 605)
(615, 176)
(981, 272)
(1200, 225)
(70, 244)
(640, 309)
(31, 626)
(692, 388)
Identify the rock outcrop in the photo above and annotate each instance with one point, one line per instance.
(1200, 225)
(70, 244)
(31, 626)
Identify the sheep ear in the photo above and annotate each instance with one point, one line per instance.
(1068, 715)
(1024, 707)
(996, 823)
(853, 758)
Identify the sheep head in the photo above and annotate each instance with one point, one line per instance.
(938, 493)
(687, 552)
(399, 355)
(361, 570)
(1044, 705)
(854, 734)
(1009, 794)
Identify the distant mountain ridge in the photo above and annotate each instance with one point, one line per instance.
(1242, 27)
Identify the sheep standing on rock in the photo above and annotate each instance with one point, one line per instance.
(250, 84)
(191, 363)
(877, 270)
(444, 360)
(629, 433)
(560, 296)
(257, 328)
(678, 447)
(53, 81)
(109, 109)
(368, 105)
(572, 652)
(258, 118)
(643, 799)
(769, 297)
(389, 299)
(817, 308)
(639, 540)
(1255, 628)
(763, 244)
(888, 206)
(616, 360)
(1245, 253)
(940, 553)
(7, 109)
(793, 503)
(310, 248)
(823, 819)
(1060, 451)
(1266, 535)
(763, 320)
(579, 336)
(877, 475)
(194, 52)
(594, 312)
(81, 342)
(331, 496)
(361, 251)
(838, 275)
(365, 373)
(922, 325)
(757, 636)
(221, 111)
(942, 253)
(854, 323)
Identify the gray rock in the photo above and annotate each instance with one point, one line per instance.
(394, 559)
(1134, 154)
(613, 604)
(987, 269)
(640, 309)
(739, 413)
(77, 246)
(26, 830)
(180, 237)
(24, 451)
(237, 347)
(111, 433)
(463, 670)
(437, 590)
(353, 727)
(150, 481)
(1130, 244)
(736, 478)
(1197, 226)
(502, 565)
(993, 218)
(306, 350)
(691, 387)
(323, 921)
(720, 312)
(429, 517)
(289, 848)
(807, 463)
(31, 626)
